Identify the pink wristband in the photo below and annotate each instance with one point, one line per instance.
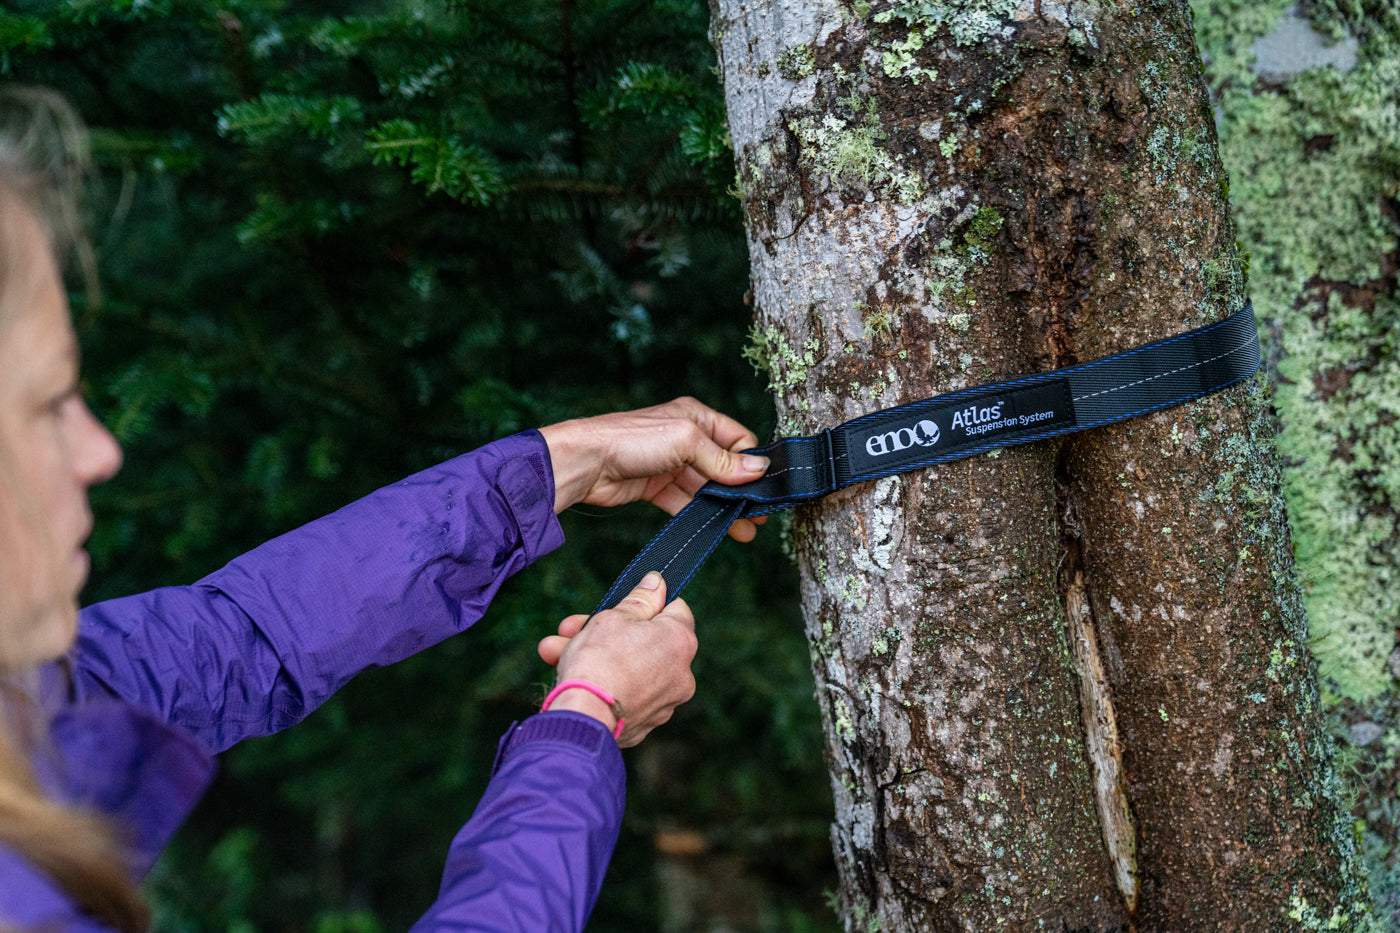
(594, 689)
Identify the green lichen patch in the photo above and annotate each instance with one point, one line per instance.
(898, 60)
(773, 354)
(797, 62)
(852, 151)
(980, 237)
(955, 259)
(969, 21)
(878, 322)
(1313, 167)
(948, 278)
(1308, 918)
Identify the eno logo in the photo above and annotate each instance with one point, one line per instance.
(925, 434)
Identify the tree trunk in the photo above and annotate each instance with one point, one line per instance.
(1066, 685)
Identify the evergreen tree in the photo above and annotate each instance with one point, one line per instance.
(342, 241)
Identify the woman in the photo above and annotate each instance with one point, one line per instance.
(108, 717)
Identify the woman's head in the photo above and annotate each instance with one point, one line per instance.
(51, 447)
(51, 451)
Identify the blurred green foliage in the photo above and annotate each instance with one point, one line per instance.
(341, 240)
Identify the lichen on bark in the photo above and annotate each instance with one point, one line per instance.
(1308, 133)
(1314, 161)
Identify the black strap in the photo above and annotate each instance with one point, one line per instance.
(950, 427)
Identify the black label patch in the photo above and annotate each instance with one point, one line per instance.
(924, 434)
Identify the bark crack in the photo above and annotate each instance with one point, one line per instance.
(1102, 744)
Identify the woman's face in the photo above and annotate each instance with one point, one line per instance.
(51, 450)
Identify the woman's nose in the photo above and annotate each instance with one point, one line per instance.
(98, 456)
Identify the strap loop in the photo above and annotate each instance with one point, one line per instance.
(950, 427)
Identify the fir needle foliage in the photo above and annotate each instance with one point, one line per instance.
(462, 172)
(343, 239)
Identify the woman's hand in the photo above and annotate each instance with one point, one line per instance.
(639, 651)
(662, 454)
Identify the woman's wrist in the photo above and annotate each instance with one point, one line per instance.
(578, 701)
(573, 474)
(588, 699)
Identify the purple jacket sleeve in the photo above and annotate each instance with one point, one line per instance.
(258, 645)
(30, 900)
(533, 855)
(531, 858)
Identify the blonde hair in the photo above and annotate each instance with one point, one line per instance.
(43, 158)
(45, 161)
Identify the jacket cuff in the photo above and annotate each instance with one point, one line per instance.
(526, 480)
(584, 734)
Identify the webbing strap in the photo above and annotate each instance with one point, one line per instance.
(950, 427)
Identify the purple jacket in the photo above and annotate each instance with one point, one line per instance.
(161, 679)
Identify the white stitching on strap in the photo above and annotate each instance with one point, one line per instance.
(681, 550)
(787, 469)
(1129, 385)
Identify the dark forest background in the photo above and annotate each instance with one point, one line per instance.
(340, 241)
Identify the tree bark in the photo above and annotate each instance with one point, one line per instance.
(1065, 685)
